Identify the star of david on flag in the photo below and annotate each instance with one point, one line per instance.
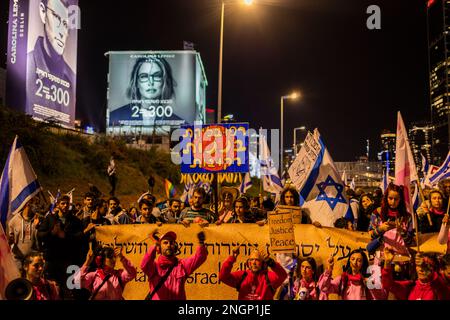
(323, 196)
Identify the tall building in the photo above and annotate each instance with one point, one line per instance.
(366, 174)
(438, 17)
(420, 140)
(387, 154)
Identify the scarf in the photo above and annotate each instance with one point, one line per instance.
(166, 262)
(437, 212)
(356, 280)
(392, 213)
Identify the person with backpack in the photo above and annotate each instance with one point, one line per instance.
(257, 282)
(167, 274)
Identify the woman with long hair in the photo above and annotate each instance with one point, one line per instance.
(351, 284)
(306, 281)
(33, 269)
(392, 214)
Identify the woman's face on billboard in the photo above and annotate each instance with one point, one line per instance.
(150, 80)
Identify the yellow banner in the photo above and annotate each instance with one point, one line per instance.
(204, 283)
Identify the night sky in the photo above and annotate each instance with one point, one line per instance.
(353, 80)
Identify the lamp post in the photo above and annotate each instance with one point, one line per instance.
(292, 96)
(295, 137)
(219, 98)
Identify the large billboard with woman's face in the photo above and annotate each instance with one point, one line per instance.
(148, 89)
(42, 59)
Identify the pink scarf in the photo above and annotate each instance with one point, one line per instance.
(166, 262)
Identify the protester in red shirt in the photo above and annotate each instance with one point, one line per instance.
(256, 283)
(428, 286)
(167, 274)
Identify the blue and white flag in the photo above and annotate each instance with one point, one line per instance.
(246, 183)
(269, 173)
(385, 181)
(352, 184)
(442, 173)
(323, 192)
(18, 182)
(425, 165)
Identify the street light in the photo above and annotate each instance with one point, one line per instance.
(219, 99)
(292, 96)
(295, 137)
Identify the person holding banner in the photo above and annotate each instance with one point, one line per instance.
(167, 274)
(351, 284)
(256, 283)
(106, 283)
(290, 197)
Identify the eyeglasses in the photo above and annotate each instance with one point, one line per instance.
(145, 77)
(58, 19)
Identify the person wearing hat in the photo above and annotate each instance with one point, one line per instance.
(428, 286)
(106, 282)
(256, 283)
(166, 273)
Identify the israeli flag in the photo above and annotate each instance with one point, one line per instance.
(323, 193)
(353, 184)
(385, 181)
(271, 181)
(442, 173)
(18, 183)
(246, 183)
(425, 165)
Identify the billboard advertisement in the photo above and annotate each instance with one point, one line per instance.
(215, 148)
(157, 88)
(42, 59)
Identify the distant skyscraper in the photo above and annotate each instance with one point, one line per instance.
(438, 16)
(420, 140)
(387, 155)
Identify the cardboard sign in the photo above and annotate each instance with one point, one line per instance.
(281, 231)
(296, 213)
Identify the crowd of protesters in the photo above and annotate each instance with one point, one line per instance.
(46, 243)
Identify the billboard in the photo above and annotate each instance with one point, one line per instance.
(42, 59)
(215, 148)
(157, 88)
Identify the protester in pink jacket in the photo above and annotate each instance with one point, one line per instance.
(106, 283)
(351, 284)
(257, 283)
(305, 285)
(168, 274)
(428, 286)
